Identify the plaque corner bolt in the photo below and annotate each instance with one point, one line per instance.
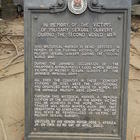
(114, 131)
(97, 7)
(60, 2)
(119, 17)
(34, 129)
(94, 2)
(35, 17)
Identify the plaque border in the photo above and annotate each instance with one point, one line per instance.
(29, 134)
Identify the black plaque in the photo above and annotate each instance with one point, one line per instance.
(76, 70)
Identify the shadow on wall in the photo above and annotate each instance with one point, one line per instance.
(135, 1)
(11, 8)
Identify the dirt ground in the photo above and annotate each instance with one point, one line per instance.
(12, 81)
(133, 129)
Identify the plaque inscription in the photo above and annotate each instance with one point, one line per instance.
(76, 68)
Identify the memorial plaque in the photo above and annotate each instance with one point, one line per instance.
(76, 63)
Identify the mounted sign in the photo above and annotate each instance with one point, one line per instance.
(76, 69)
